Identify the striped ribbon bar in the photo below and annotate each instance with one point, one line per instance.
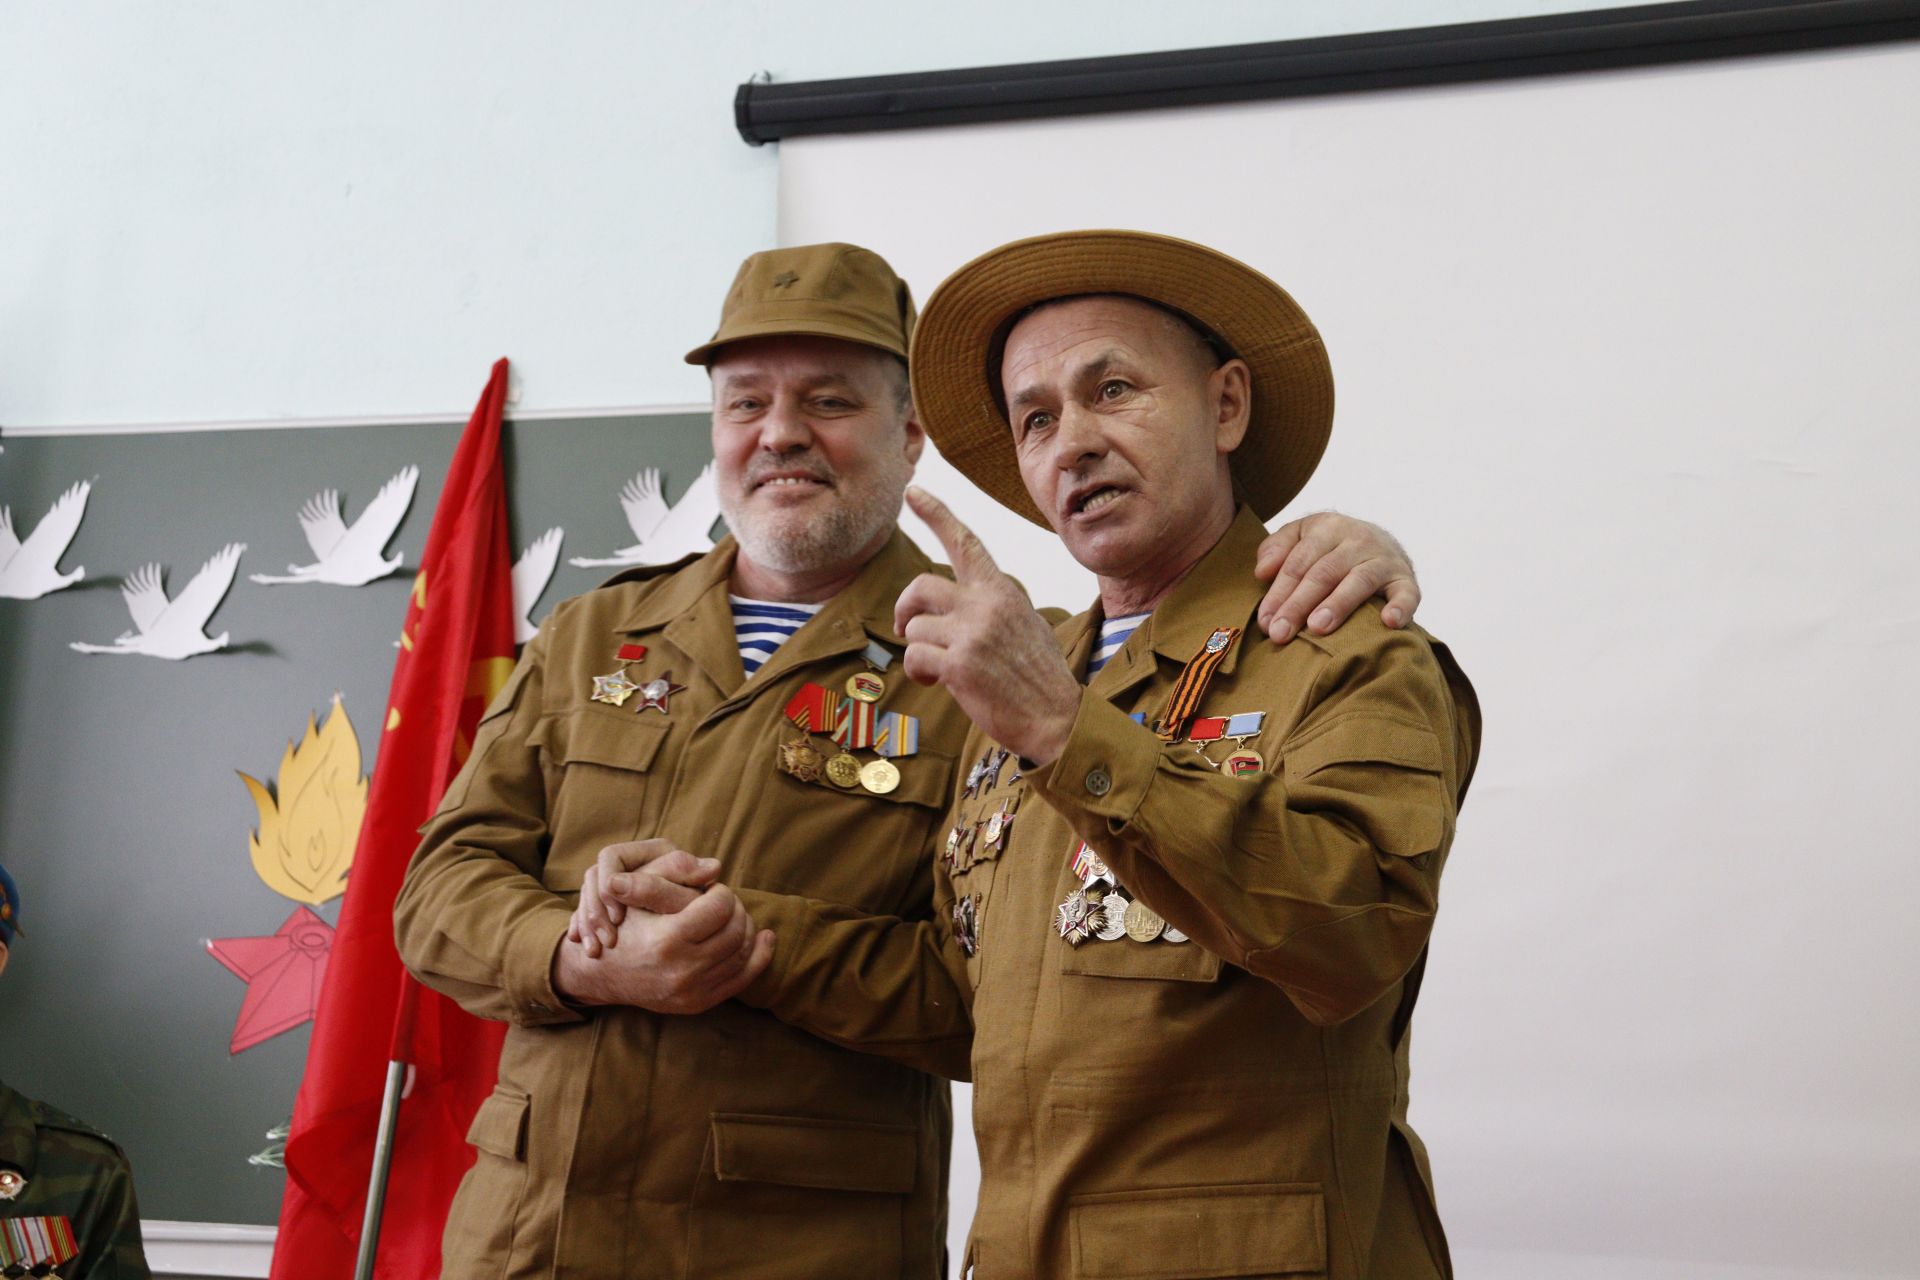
(853, 724)
(816, 708)
(1191, 687)
(897, 734)
(33, 1242)
(1088, 866)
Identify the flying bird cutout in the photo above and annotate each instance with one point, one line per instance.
(173, 628)
(531, 574)
(31, 569)
(665, 533)
(350, 556)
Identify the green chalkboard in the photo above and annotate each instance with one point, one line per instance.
(120, 812)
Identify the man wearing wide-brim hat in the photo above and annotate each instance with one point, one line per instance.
(745, 705)
(1188, 881)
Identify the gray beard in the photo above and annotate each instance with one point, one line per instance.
(786, 543)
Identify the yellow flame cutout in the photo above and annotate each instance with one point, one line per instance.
(310, 821)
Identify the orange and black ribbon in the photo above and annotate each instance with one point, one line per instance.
(1193, 681)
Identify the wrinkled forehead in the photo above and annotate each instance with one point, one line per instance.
(1100, 325)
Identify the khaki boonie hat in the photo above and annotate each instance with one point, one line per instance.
(960, 340)
(826, 290)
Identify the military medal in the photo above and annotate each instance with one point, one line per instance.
(843, 771)
(1171, 934)
(1087, 866)
(879, 776)
(801, 759)
(655, 692)
(1074, 918)
(613, 689)
(966, 917)
(896, 735)
(1143, 924)
(865, 686)
(993, 770)
(1001, 822)
(853, 724)
(1191, 686)
(1112, 925)
(36, 1244)
(12, 1183)
(814, 709)
(1244, 759)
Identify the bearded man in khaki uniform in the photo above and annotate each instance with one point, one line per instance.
(645, 1123)
(1187, 883)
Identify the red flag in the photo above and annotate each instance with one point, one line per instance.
(456, 650)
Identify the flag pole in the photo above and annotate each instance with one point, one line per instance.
(382, 1162)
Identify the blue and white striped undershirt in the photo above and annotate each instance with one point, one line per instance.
(762, 626)
(1113, 634)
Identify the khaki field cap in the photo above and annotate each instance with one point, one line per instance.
(826, 290)
(961, 338)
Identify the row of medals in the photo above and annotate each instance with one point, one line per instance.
(1101, 911)
(803, 760)
(963, 839)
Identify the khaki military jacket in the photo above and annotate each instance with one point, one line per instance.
(66, 1198)
(1230, 1104)
(619, 1142)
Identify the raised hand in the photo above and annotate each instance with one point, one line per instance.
(979, 637)
(1326, 565)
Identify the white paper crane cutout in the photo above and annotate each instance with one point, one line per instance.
(30, 569)
(531, 574)
(350, 557)
(665, 533)
(173, 628)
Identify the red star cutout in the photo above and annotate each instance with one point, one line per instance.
(655, 692)
(283, 973)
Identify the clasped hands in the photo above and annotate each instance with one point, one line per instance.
(655, 929)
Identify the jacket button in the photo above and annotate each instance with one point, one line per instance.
(1099, 783)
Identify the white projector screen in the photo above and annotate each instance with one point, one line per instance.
(1629, 362)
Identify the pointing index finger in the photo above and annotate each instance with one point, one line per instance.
(965, 552)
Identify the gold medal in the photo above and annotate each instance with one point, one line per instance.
(843, 771)
(1245, 760)
(879, 776)
(1143, 924)
(865, 686)
(801, 759)
(615, 689)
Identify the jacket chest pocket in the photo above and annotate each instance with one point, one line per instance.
(601, 762)
(848, 845)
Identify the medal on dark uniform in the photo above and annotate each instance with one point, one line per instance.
(12, 1183)
(37, 1244)
(843, 771)
(1191, 686)
(801, 759)
(614, 689)
(655, 692)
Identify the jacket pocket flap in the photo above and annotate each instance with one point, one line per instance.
(616, 741)
(1367, 739)
(795, 1151)
(1125, 958)
(1200, 1232)
(500, 1126)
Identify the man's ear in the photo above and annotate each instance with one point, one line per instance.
(1230, 393)
(916, 438)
